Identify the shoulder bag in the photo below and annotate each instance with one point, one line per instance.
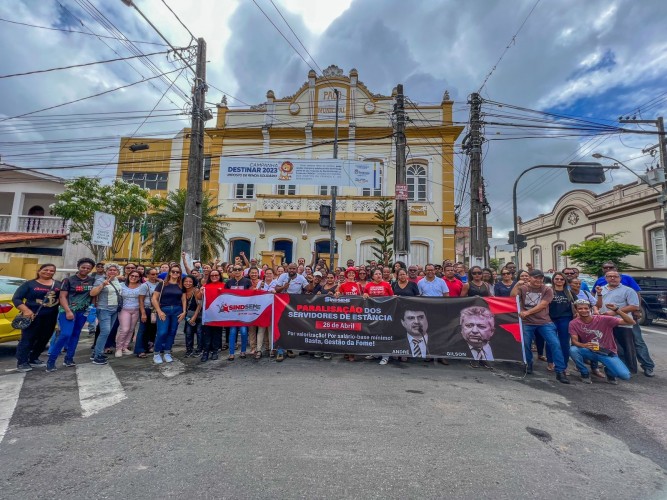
(118, 295)
(21, 322)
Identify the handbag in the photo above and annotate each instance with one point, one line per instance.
(21, 322)
(119, 296)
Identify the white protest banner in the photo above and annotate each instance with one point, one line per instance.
(277, 171)
(103, 227)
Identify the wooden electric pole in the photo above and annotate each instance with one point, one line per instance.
(478, 206)
(401, 224)
(192, 221)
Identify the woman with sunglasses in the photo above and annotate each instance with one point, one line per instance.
(487, 277)
(128, 316)
(561, 312)
(476, 286)
(238, 282)
(503, 288)
(167, 301)
(148, 318)
(362, 281)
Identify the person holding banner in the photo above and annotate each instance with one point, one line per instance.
(212, 335)
(238, 282)
(378, 288)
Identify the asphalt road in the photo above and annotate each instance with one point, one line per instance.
(311, 428)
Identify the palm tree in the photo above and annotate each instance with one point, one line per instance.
(166, 228)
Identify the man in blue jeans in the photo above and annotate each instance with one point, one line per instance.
(593, 339)
(534, 299)
(74, 302)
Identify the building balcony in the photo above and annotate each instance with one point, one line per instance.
(290, 207)
(33, 224)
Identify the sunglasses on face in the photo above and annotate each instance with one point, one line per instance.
(505, 273)
(175, 272)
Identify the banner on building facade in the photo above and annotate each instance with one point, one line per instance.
(325, 172)
(462, 328)
(224, 307)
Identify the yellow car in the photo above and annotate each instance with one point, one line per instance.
(8, 286)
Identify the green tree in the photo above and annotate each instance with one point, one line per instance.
(166, 228)
(383, 247)
(495, 264)
(591, 254)
(85, 196)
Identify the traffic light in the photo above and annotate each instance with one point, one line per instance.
(510, 240)
(325, 216)
(520, 241)
(586, 173)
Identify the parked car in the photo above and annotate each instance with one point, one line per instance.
(8, 286)
(653, 298)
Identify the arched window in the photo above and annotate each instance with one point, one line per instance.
(417, 182)
(285, 246)
(537, 258)
(560, 262)
(366, 252)
(658, 250)
(238, 245)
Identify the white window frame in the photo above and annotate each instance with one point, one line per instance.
(536, 257)
(245, 190)
(289, 189)
(413, 181)
(658, 248)
(376, 191)
(560, 261)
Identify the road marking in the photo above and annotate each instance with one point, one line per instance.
(172, 369)
(10, 388)
(99, 388)
(653, 330)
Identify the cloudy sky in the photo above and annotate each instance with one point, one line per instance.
(592, 60)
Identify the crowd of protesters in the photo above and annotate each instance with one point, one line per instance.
(143, 305)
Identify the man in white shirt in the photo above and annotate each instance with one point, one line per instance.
(291, 282)
(431, 285)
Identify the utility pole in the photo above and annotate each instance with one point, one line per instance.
(479, 241)
(334, 192)
(192, 221)
(659, 123)
(402, 223)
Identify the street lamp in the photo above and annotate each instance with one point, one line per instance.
(572, 169)
(621, 164)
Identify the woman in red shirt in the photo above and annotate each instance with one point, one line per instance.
(349, 287)
(378, 288)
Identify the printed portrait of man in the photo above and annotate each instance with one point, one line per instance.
(415, 322)
(477, 328)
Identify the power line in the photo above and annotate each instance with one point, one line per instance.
(87, 97)
(179, 20)
(82, 65)
(511, 42)
(77, 32)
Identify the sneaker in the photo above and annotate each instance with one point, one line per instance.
(92, 356)
(562, 378)
(24, 367)
(384, 361)
(69, 363)
(318, 355)
(51, 366)
(119, 353)
(327, 355)
(127, 351)
(612, 380)
(214, 355)
(188, 354)
(157, 358)
(168, 358)
(586, 379)
(197, 353)
(204, 357)
(369, 357)
(100, 360)
(37, 363)
(649, 372)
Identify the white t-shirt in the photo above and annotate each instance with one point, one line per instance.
(296, 284)
(435, 288)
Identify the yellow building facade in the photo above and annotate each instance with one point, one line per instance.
(265, 218)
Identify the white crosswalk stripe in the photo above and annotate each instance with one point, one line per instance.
(99, 388)
(10, 388)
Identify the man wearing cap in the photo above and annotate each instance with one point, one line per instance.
(314, 286)
(534, 299)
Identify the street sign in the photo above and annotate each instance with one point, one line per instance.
(402, 192)
(103, 227)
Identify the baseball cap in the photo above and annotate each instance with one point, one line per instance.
(536, 273)
(317, 273)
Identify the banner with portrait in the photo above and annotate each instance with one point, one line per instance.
(222, 307)
(481, 328)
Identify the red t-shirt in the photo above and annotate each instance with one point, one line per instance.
(381, 289)
(349, 288)
(600, 329)
(455, 286)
